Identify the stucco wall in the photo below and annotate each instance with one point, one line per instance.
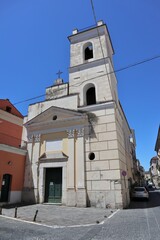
(13, 164)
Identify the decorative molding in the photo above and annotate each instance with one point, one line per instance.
(53, 160)
(80, 132)
(30, 138)
(70, 133)
(98, 106)
(10, 149)
(37, 137)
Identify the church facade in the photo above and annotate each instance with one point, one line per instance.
(79, 140)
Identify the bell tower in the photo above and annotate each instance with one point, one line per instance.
(91, 68)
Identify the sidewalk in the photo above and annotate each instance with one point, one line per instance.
(54, 215)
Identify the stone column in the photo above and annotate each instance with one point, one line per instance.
(71, 194)
(41, 185)
(35, 166)
(80, 169)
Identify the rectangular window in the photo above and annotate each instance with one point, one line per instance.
(55, 145)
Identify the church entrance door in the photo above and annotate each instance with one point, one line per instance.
(53, 185)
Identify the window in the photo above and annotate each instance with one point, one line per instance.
(54, 117)
(54, 145)
(88, 51)
(91, 96)
(91, 156)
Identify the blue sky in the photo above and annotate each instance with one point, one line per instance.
(34, 46)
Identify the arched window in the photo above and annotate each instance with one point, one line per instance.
(91, 96)
(88, 51)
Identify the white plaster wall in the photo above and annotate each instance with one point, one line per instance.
(69, 102)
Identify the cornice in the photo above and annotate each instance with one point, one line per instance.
(89, 64)
(58, 126)
(96, 107)
(7, 148)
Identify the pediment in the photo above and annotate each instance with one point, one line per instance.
(56, 116)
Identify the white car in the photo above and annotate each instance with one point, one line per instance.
(140, 192)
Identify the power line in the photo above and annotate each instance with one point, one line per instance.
(29, 99)
(115, 71)
(95, 19)
(138, 63)
(106, 74)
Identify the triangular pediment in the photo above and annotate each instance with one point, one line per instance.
(56, 116)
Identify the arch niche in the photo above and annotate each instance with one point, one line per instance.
(89, 94)
(88, 51)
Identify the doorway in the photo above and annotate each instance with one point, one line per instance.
(5, 189)
(53, 185)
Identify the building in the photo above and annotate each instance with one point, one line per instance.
(12, 156)
(148, 178)
(155, 163)
(79, 148)
(157, 145)
(155, 171)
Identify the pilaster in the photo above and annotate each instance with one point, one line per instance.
(71, 194)
(80, 167)
(35, 164)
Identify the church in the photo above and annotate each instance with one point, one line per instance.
(79, 142)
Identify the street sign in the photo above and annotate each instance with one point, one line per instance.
(124, 173)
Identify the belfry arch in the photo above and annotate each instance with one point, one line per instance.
(89, 94)
(88, 51)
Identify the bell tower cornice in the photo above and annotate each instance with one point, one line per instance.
(89, 33)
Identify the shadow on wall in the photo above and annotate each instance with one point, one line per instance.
(92, 119)
(28, 193)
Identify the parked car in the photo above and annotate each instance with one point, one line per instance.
(140, 192)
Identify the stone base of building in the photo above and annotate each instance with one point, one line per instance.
(81, 197)
(76, 198)
(105, 199)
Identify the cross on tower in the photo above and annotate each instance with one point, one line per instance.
(59, 74)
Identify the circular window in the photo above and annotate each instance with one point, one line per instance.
(54, 117)
(91, 156)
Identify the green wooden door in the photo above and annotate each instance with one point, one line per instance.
(53, 185)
